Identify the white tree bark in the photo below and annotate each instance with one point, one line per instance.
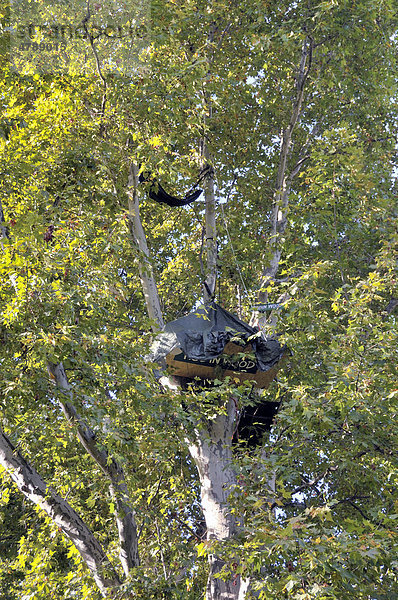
(146, 272)
(213, 457)
(212, 453)
(61, 513)
(125, 517)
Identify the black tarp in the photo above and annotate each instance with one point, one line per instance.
(254, 421)
(159, 194)
(204, 333)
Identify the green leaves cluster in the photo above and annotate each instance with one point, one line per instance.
(70, 291)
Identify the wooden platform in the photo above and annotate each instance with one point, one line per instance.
(236, 362)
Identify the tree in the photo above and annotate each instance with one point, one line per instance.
(287, 115)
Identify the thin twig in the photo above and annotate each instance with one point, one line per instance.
(149, 504)
(97, 62)
(310, 483)
(378, 523)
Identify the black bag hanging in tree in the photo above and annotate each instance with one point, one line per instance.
(159, 194)
(210, 343)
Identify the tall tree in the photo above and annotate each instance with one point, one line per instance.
(286, 114)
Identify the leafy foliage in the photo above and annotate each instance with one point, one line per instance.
(71, 292)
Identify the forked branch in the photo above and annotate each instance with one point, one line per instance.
(31, 484)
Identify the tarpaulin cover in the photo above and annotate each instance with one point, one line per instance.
(204, 333)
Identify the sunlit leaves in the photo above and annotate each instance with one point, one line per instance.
(70, 291)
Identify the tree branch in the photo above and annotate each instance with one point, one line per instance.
(3, 229)
(283, 183)
(309, 484)
(209, 284)
(97, 63)
(30, 483)
(124, 512)
(378, 523)
(137, 232)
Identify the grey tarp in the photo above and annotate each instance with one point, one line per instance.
(203, 334)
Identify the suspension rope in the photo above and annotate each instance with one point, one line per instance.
(228, 234)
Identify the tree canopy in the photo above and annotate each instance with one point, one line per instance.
(113, 485)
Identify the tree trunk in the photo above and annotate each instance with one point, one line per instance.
(61, 513)
(212, 453)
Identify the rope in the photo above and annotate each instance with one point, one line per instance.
(229, 236)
